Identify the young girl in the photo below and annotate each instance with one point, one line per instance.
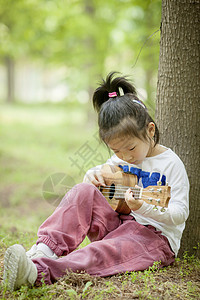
(119, 243)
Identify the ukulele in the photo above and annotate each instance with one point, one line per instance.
(117, 182)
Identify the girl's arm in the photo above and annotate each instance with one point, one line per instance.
(178, 208)
(94, 176)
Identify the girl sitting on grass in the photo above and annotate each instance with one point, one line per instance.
(119, 242)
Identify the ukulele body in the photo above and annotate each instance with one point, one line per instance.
(117, 182)
(116, 179)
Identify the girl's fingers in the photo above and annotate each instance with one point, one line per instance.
(129, 191)
(100, 179)
(137, 186)
(94, 178)
(129, 194)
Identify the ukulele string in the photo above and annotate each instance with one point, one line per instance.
(67, 188)
(124, 189)
(120, 191)
(121, 196)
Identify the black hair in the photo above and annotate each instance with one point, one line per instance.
(121, 116)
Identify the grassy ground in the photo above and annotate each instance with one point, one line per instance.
(38, 144)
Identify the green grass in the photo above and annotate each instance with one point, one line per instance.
(37, 142)
(180, 281)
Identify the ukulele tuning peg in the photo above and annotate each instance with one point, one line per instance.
(163, 209)
(155, 208)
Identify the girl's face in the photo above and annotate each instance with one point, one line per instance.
(132, 149)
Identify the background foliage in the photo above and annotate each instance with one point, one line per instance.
(88, 38)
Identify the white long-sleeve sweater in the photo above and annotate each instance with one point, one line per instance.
(168, 167)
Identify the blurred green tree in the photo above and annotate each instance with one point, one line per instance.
(90, 36)
(21, 33)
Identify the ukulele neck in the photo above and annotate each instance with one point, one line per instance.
(120, 191)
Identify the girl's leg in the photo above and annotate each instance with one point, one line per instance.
(130, 247)
(83, 210)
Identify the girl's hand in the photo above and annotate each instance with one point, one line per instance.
(132, 203)
(94, 177)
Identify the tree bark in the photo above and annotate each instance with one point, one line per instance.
(178, 95)
(9, 62)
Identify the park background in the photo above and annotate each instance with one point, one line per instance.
(52, 56)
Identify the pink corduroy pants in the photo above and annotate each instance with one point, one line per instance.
(118, 242)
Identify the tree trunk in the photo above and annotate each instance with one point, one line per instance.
(9, 62)
(149, 89)
(178, 93)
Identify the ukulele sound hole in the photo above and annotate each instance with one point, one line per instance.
(112, 191)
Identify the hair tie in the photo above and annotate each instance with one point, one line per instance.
(113, 94)
(136, 101)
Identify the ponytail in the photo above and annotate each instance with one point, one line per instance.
(109, 86)
(121, 114)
